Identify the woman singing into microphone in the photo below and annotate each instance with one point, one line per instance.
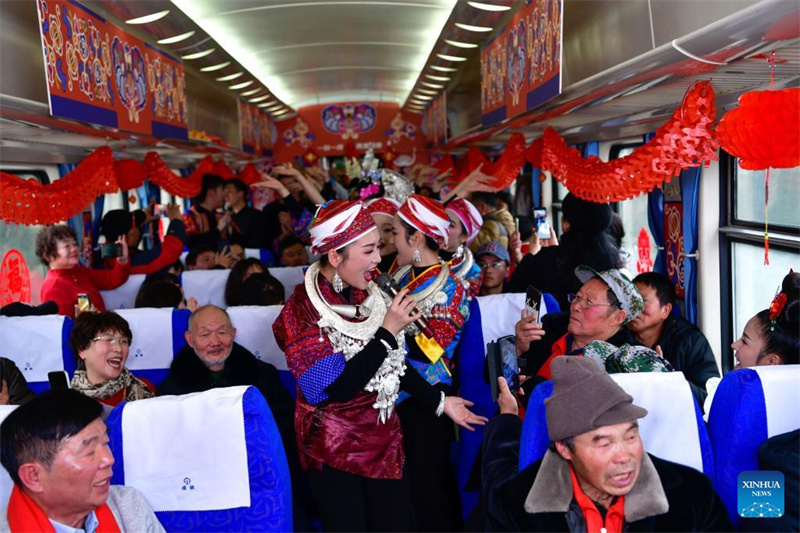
(341, 343)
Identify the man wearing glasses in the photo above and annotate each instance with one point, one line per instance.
(605, 303)
(493, 259)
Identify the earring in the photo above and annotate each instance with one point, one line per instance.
(459, 251)
(416, 257)
(338, 285)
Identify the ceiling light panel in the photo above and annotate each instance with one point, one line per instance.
(431, 85)
(387, 44)
(230, 77)
(477, 29)
(251, 92)
(488, 7)
(258, 98)
(459, 44)
(451, 58)
(198, 55)
(437, 78)
(443, 69)
(177, 38)
(147, 19)
(212, 68)
(427, 91)
(241, 85)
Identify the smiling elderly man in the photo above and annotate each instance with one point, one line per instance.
(55, 448)
(596, 476)
(212, 359)
(604, 304)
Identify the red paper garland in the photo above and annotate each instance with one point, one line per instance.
(249, 174)
(685, 141)
(506, 169)
(159, 173)
(29, 202)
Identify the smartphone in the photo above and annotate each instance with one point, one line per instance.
(58, 380)
(502, 361)
(84, 303)
(541, 222)
(108, 251)
(533, 304)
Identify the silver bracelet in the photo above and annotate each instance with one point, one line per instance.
(440, 407)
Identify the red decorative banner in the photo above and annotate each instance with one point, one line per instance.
(15, 281)
(673, 245)
(256, 129)
(434, 123)
(521, 66)
(98, 73)
(328, 130)
(645, 261)
(685, 141)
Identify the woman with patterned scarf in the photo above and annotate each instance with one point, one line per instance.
(100, 342)
(465, 224)
(421, 228)
(343, 344)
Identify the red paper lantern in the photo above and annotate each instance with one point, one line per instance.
(130, 174)
(762, 132)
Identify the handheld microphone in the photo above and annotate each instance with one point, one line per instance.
(389, 286)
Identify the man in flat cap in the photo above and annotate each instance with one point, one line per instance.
(606, 302)
(596, 476)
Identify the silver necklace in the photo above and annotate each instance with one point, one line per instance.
(349, 338)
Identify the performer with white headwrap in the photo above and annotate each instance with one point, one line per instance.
(341, 343)
(465, 223)
(383, 211)
(421, 228)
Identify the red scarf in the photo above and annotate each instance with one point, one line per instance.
(615, 516)
(24, 515)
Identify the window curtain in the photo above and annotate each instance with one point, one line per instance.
(690, 186)
(76, 222)
(655, 219)
(590, 148)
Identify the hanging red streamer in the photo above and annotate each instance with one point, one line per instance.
(222, 170)
(506, 169)
(29, 202)
(686, 140)
(159, 173)
(249, 174)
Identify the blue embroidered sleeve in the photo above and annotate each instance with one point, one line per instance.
(316, 379)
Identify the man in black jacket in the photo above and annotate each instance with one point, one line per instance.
(212, 359)
(596, 476)
(680, 342)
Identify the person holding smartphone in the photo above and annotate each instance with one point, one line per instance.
(584, 241)
(57, 247)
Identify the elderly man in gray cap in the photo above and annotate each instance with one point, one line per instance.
(596, 475)
(606, 301)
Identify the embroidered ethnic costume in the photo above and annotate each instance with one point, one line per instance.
(443, 301)
(463, 267)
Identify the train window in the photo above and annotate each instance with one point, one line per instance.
(634, 215)
(754, 285)
(748, 285)
(749, 193)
